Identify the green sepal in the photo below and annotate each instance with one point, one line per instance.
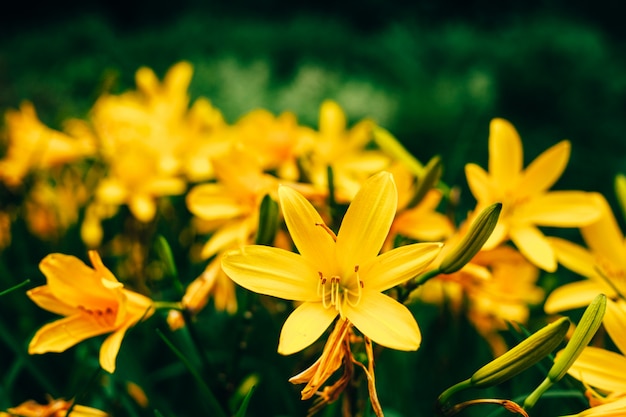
(268, 221)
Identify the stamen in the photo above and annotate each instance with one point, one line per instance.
(330, 232)
(320, 283)
(359, 289)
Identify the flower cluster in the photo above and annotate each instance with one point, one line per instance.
(340, 220)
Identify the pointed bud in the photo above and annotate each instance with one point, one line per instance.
(524, 355)
(428, 180)
(620, 191)
(473, 241)
(268, 221)
(586, 329)
(164, 251)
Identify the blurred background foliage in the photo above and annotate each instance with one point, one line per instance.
(432, 73)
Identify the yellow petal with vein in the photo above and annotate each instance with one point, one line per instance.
(574, 257)
(304, 326)
(272, 271)
(110, 348)
(560, 209)
(534, 246)
(385, 321)
(398, 265)
(545, 170)
(601, 368)
(604, 237)
(366, 223)
(505, 153)
(62, 334)
(615, 323)
(313, 242)
(480, 184)
(43, 297)
(574, 295)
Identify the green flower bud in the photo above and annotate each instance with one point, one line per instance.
(524, 355)
(620, 191)
(586, 329)
(268, 221)
(428, 179)
(473, 241)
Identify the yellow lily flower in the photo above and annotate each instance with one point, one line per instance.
(344, 149)
(54, 408)
(526, 201)
(337, 275)
(93, 302)
(603, 263)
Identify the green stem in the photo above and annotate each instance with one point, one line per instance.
(534, 396)
(445, 396)
(15, 287)
(214, 405)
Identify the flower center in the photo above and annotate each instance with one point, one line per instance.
(104, 318)
(336, 291)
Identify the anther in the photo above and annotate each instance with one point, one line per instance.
(330, 232)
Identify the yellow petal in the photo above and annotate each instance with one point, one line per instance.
(428, 226)
(234, 232)
(398, 265)
(574, 295)
(367, 221)
(499, 234)
(560, 209)
(212, 202)
(303, 221)
(272, 271)
(615, 408)
(545, 170)
(480, 184)
(534, 246)
(110, 348)
(332, 119)
(143, 207)
(304, 326)
(43, 297)
(505, 153)
(385, 321)
(601, 368)
(575, 258)
(76, 284)
(62, 334)
(615, 323)
(604, 237)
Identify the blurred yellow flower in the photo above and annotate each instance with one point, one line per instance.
(337, 275)
(276, 141)
(229, 207)
(526, 201)
(54, 408)
(93, 302)
(603, 263)
(32, 145)
(345, 151)
(153, 143)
